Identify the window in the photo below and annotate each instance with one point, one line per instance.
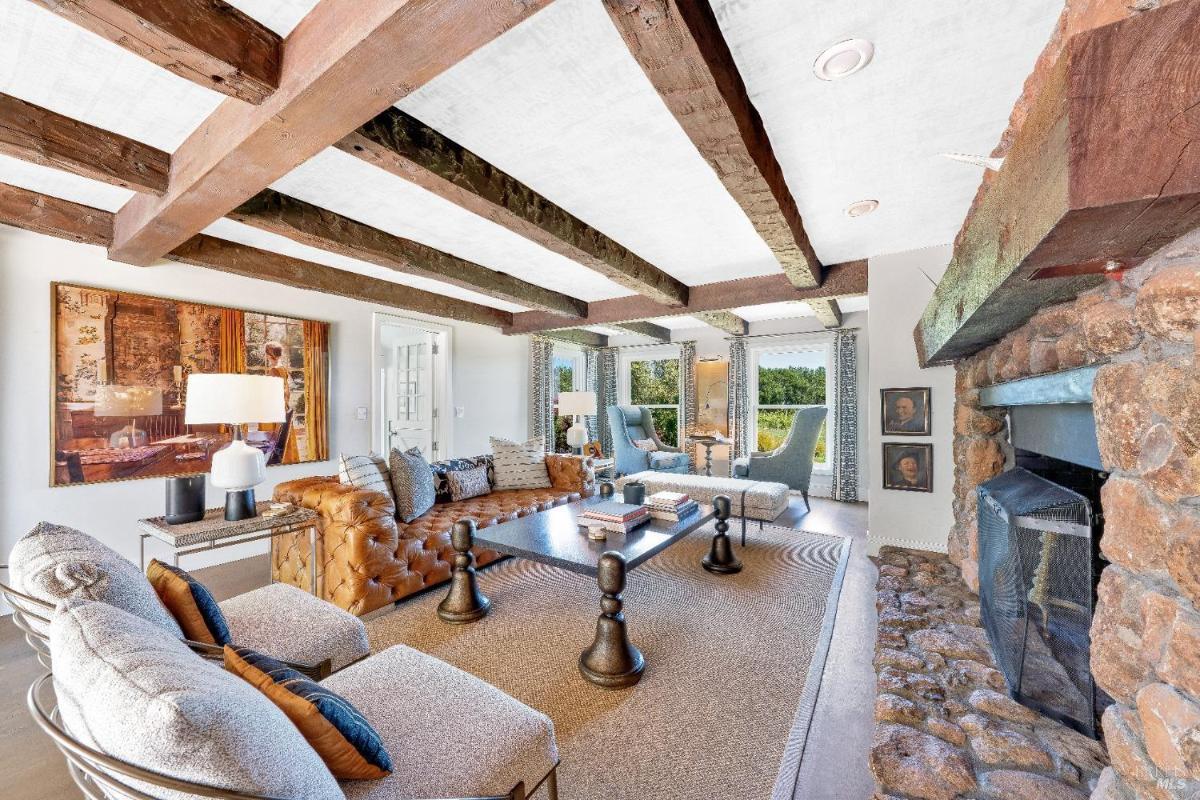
(263, 332)
(785, 381)
(655, 383)
(566, 368)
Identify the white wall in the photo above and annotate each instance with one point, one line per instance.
(900, 287)
(489, 382)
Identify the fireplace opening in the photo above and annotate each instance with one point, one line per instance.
(1039, 566)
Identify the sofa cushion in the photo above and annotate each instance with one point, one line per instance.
(337, 730)
(189, 602)
(520, 465)
(660, 459)
(412, 483)
(468, 483)
(366, 472)
(648, 445)
(134, 691)
(460, 736)
(54, 562)
(442, 469)
(293, 625)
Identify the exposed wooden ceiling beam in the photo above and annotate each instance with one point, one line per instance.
(250, 262)
(682, 51)
(841, 280)
(643, 328)
(579, 336)
(1105, 168)
(317, 227)
(208, 42)
(827, 312)
(32, 133)
(409, 149)
(344, 63)
(725, 321)
(41, 213)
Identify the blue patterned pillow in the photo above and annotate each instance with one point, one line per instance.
(340, 734)
(189, 602)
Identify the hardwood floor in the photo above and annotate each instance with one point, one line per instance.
(835, 760)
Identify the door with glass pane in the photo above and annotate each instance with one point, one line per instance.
(407, 383)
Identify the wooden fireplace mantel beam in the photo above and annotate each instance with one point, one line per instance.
(1104, 171)
(343, 64)
(680, 47)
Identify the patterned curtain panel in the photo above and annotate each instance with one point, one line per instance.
(541, 394)
(687, 396)
(607, 395)
(591, 383)
(845, 411)
(739, 400)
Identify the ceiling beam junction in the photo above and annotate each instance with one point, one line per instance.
(649, 329)
(827, 311)
(578, 336)
(725, 321)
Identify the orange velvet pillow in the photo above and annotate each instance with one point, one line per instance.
(189, 602)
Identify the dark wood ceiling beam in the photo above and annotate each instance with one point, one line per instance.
(841, 280)
(649, 329)
(208, 42)
(578, 336)
(41, 213)
(317, 227)
(406, 147)
(1105, 168)
(726, 321)
(340, 68)
(682, 51)
(249, 262)
(35, 134)
(827, 311)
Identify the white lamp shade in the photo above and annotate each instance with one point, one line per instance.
(127, 401)
(572, 403)
(231, 398)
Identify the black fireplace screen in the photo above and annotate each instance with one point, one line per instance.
(1036, 593)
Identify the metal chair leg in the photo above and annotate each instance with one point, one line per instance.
(552, 784)
(807, 507)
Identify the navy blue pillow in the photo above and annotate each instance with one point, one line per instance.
(340, 734)
(189, 602)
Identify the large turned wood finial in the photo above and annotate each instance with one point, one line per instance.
(720, 558)
(464, 602)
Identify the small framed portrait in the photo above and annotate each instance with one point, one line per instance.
(905, 412)
(908, 467)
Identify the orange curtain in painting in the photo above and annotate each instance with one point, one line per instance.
(233, 341)
(316, 385)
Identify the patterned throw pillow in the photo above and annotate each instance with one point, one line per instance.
(189, 602)
(366, 472)
(442, 469)
(340, 734)
(520, 465)
(467, 483)
(645, 444)
(412, 484)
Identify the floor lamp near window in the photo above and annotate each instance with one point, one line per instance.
(577, 405)
(235, 400)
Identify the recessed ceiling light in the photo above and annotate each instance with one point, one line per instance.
(861, 208)
(843, 59)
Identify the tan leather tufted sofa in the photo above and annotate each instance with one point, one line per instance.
(368, 559)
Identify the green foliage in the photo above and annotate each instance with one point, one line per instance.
(791, 386)
(773, 427)
(666, 425)
(564, 378)
(653, 383)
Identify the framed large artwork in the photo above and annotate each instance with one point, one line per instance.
(121, 362)
(712, 397)
(908, 467)
(906, 412)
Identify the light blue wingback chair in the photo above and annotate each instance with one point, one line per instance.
(792, 461)
(634, 422)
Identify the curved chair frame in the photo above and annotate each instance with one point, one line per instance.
(26, 608)
(96, 773)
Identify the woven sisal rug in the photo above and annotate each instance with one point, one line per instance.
(722, 709)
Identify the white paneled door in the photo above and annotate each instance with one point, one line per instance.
(409, 370)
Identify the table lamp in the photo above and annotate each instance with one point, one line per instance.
(234, 399)
(577, 405)
(131, 402)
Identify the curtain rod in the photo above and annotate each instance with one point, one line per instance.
(796, 333)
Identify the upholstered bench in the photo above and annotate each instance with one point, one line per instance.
(758, 500)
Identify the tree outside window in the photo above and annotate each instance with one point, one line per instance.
(788, 382)
(563, 368)
(655, 384)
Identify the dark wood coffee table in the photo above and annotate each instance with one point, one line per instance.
(554, 537)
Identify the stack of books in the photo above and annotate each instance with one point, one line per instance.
(615, 516)
(670, 505)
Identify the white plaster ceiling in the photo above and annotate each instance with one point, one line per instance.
(681, 322)
(281, 16)
(559, 103)
(944, 78)
(64, 185)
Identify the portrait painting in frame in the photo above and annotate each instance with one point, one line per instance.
(906, 412)
(908, 467)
